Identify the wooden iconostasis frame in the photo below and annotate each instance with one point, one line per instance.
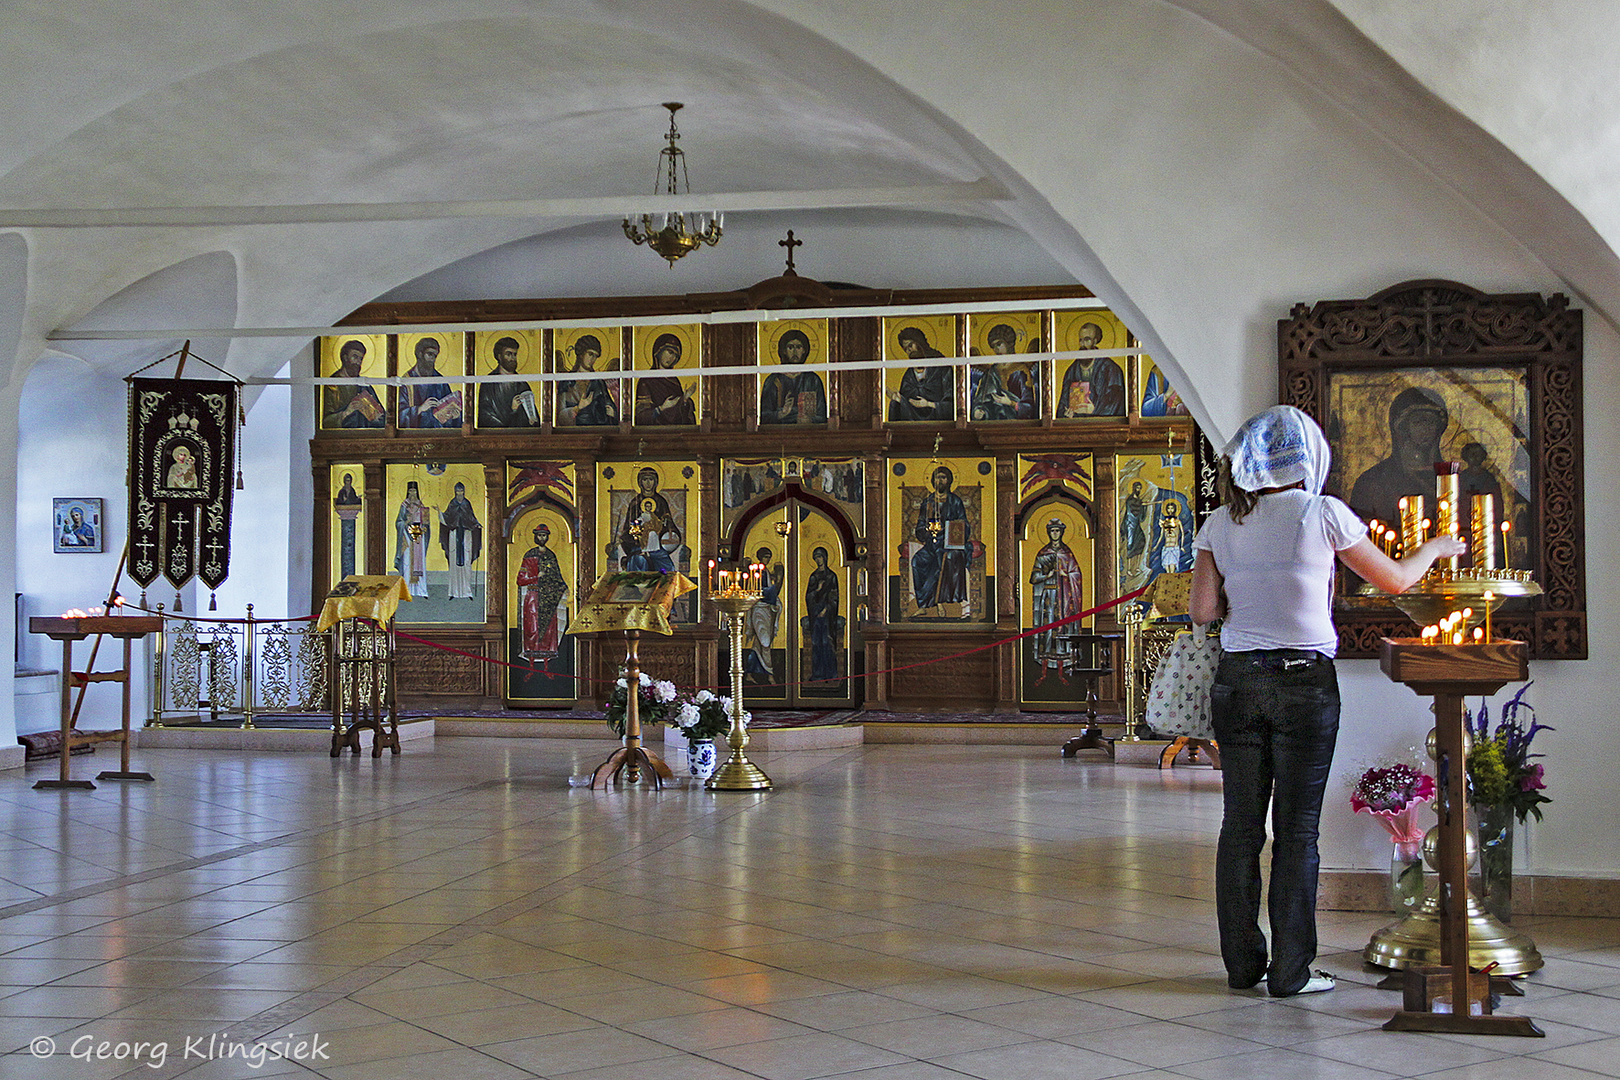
(1503, 375)
(1024, 471)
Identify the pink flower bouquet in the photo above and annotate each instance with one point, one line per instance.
(1394, 795)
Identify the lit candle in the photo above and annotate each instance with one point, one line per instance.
(1479, 634)
(711, 576)
(1506, 557)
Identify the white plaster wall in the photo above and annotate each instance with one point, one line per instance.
(71, 443)
(260, 512)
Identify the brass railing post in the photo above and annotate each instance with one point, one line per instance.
(247, 673)
(160, 661)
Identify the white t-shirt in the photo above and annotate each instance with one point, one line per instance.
(1277, 569)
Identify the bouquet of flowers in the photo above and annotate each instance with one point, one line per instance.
(654, 702)
(1500, 770)
(705, 716)
(1394, 794)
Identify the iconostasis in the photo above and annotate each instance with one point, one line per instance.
(1001, 484)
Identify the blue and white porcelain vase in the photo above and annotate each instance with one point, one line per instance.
(700, 758)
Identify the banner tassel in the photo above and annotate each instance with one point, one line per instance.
(177, 606)
(212, 604)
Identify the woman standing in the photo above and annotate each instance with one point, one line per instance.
(1264, 564)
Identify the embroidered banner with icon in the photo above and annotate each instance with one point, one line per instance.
(182, 462)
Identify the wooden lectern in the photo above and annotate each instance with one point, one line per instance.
(631, 601)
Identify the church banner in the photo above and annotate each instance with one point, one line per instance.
(182, 464)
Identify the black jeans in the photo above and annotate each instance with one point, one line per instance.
(1276, 715)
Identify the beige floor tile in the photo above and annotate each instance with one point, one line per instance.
(1053, 1017)
(1038, 1061)
(726, 1026)
(934, 1036)
(960, 993)
(757, 987)
(504, 1023)
(850, 1009)
(1161, 1044)
(575, 1051)
(804, 1057)
(1282, 1062)
(677, 1067)
(381, 1042)
(623, 1007)
(1048, 917)
(554, 986)
(1374, 1049)
(461, 1063)
(423, 1001)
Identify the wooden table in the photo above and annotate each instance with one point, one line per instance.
(126, 628)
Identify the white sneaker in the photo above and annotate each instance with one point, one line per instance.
(1319, 982)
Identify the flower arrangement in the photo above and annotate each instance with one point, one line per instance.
(1500, 769)
(705, 716)
(1394, 794)
(655, 701)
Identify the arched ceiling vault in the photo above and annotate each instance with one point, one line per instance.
(1140, 143)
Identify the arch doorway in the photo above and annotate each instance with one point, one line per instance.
(797, 641)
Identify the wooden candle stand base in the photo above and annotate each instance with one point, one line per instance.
(1447, 673)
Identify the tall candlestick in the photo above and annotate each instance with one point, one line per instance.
(1411, 523)
(1447, 492)
(1490, 599)
(1482, 530)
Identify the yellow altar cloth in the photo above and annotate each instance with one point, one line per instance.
(364, 596)
(631, 600)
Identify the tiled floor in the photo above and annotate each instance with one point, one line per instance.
(889, 912)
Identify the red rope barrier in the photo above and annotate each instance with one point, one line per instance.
(544, 669)
(1065, 621)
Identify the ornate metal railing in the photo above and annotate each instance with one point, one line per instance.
(247, 667)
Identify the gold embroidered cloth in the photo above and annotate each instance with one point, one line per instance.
(364, 596)
(631, 600)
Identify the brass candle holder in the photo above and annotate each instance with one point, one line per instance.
(1466, 594)
(741, 591)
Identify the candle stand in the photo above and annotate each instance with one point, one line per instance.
(1448, 673)
(738, 773)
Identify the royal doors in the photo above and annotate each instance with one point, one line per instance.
(796, 638)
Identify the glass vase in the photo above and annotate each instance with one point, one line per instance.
(1406, 880)
(1496, 860)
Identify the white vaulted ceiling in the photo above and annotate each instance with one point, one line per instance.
(1159, 152)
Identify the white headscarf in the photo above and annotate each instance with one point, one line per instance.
(1278, 448)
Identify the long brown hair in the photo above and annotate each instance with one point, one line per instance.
(1238, 503)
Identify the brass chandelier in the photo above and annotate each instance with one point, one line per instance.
(678, 233)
